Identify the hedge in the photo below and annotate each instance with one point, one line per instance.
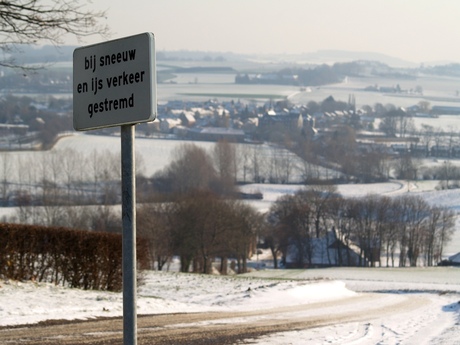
(73, 258)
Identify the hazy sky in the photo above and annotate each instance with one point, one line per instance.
(414, 30)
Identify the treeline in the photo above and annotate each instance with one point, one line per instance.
(43, 81)
(79, 190)
(195, 212)
(192, 209)
(30, 54)
(452, 69)
(72, 258)
(200, 69)
(200, 227)
(403, 230)
(318, 75)
(225, 165)
(57, 191)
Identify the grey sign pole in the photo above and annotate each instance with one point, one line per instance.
(128, 207)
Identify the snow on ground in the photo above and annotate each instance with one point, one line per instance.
(159, 293)
(423, 304)
(435, 321)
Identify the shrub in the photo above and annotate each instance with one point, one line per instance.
(74, 258)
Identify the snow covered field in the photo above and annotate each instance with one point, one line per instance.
(355, 306)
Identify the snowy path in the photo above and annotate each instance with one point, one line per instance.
(344, 321)
(415, 319)
(329, 306)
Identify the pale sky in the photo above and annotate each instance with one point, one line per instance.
(414, 30)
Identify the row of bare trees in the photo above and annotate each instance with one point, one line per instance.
(199, 227)
(403, 230)
(58, 176)
(406, 226)
(62, 188)
(50, 188)
(226, 163)
(196, 215)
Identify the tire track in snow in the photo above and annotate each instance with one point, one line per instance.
(418, 320)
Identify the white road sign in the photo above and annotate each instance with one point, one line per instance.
(114, 83)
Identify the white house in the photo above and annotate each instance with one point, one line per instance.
(167, 125)
(455, 259)
(327, 251)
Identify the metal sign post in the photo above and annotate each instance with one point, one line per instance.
(128, 210)
(114, 84)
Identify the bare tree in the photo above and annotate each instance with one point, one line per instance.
(191, 169)
(426, 136)
(243, 154)
(441, 226)
(318, 197)
(452, 137)
(391, 231)
(105, 173)
(416, 212)
(281, 164)
(310, 162)
(52, 195)
(26, 177)
(5, 173)
(154, 226)
(244, 225)
(438, 136)
(110, 177)
(445, 231)
(406, 167)
(424, 106)
(364, 214)
(197, 229)
(448, 172)
(258, 164)
(224, 155)
(33, 21)
(405, 124)
(95, 168)
(389, 124)
(70, 165)
(295, 216)
(339, 214)
(271, 239)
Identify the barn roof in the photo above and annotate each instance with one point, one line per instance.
(455, 258)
